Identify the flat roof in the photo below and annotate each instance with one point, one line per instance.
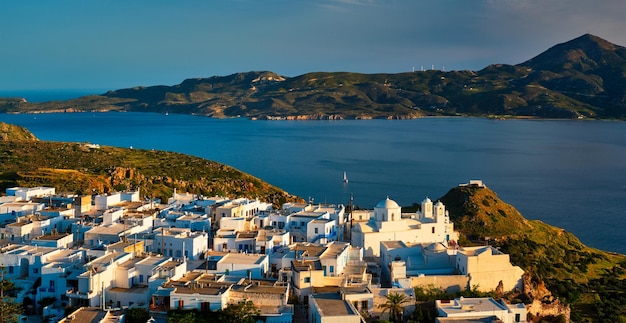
(471, 305)
(130, 263)
(88, 314)
(393, 244)
(18, 224)
(115, 228)
(321, 221)
(242, 258)
(304, 265)
(307, 214)
(169, 265)
(102, 262)
(334, 249)
(31, 250)
(308, 249)
(247, 234)
(261, 289)
(331, 304)
(52, 237)
(191, 217)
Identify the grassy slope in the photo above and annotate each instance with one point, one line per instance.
(13, 132)
(582, 276)
(76, 168)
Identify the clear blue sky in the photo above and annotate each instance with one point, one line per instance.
(112, 44)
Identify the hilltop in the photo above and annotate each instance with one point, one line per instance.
(591, 281)
(82, 168)
(582, 78)
(9, 132)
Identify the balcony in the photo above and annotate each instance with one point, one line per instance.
(74, 293)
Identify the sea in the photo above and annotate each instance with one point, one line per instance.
(570, 174)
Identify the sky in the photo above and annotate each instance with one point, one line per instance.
(114, 44)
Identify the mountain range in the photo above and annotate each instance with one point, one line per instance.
(579, 79)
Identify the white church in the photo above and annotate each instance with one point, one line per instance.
(430, 225)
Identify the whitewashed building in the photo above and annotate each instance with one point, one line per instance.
(180, 243)
(430, 225)
(479, 310)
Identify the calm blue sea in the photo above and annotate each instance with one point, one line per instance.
(570, 174)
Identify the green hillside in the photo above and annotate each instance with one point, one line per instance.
(590, 280)
(84, 169)
(578, 79)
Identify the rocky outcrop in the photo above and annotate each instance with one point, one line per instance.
(543, 304)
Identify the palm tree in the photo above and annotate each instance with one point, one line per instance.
(395, 305)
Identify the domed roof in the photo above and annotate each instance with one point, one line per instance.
(387, 204)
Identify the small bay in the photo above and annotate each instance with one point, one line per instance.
(570, 174)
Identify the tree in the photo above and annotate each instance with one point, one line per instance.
(137, 315)
(242, 312)
(182, 317)
(395, 305)
(9, 308)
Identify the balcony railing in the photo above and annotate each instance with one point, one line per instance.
(74, 293)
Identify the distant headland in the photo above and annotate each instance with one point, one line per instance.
(584, 78)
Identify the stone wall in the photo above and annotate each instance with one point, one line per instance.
(449, 283)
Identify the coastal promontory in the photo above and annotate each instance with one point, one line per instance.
(584, 78)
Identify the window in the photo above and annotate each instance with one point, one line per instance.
(316, 230)
(141, 278)
(332, 269)
(307, 280)
(10, 269)
(433, 229)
